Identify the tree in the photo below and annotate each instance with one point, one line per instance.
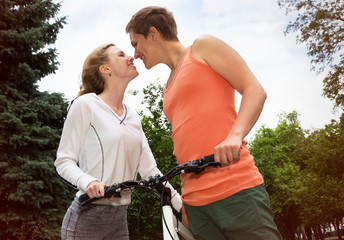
(158, 132)
(320, 25)
(274, 154)
(322, 193)
(32, 198)
(303, 173)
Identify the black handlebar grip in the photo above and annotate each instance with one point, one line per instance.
(209, 158)
(83, 198)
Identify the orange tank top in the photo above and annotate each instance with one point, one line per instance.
(200, 105)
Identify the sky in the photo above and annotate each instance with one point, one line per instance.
(255, 29)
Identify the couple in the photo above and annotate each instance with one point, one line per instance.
(103, 143)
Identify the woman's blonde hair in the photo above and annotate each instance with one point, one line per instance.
(91, 78)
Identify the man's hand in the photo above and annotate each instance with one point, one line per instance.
(228, 151)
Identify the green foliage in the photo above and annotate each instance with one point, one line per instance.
(325, 150)
(32, 198)
(158, 132)
(324, 181)
(303, 172)
(273, 150)
(320, 25)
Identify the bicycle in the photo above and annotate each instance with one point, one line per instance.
(172, 225)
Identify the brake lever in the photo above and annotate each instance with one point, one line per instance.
(210, 164)
(198, 169)
(112, 192)
(190, 168)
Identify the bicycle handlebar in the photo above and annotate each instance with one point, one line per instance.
(113, 190)
(196, 166)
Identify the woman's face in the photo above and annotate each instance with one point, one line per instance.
(121, 65)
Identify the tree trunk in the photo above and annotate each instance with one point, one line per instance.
(339, 231)
(316, 234)
(308, 233)
(320, 233)
(291, 233)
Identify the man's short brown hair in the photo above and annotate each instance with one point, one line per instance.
(157, 17)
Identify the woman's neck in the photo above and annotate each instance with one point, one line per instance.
(113, 98)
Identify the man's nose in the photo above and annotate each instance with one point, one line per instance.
(136, 54)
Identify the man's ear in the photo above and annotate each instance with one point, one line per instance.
(154, 33)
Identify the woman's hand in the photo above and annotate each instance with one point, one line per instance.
(95, 189)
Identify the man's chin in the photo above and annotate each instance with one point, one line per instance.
(148, 67)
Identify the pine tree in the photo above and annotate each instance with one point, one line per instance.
(32, 198)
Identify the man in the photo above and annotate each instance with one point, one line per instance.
(224, 203)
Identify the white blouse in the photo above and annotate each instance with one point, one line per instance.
(98, 144)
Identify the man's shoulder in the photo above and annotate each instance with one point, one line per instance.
(203, 46)
(204, 40)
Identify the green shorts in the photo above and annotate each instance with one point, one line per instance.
(245, 215)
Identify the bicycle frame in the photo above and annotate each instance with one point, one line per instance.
(173, 226)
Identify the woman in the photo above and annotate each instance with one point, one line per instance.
(103, 143)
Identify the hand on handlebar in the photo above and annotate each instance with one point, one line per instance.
(228, 151)
(96, 189)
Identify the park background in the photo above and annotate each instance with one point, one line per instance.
(254, 28)
(296, 142)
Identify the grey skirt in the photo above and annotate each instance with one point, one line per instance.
(93, 222)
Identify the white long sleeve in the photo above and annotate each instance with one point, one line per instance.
(97, 144)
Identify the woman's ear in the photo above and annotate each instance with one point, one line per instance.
(104, 69)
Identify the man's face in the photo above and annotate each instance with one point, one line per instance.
(143, 47)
